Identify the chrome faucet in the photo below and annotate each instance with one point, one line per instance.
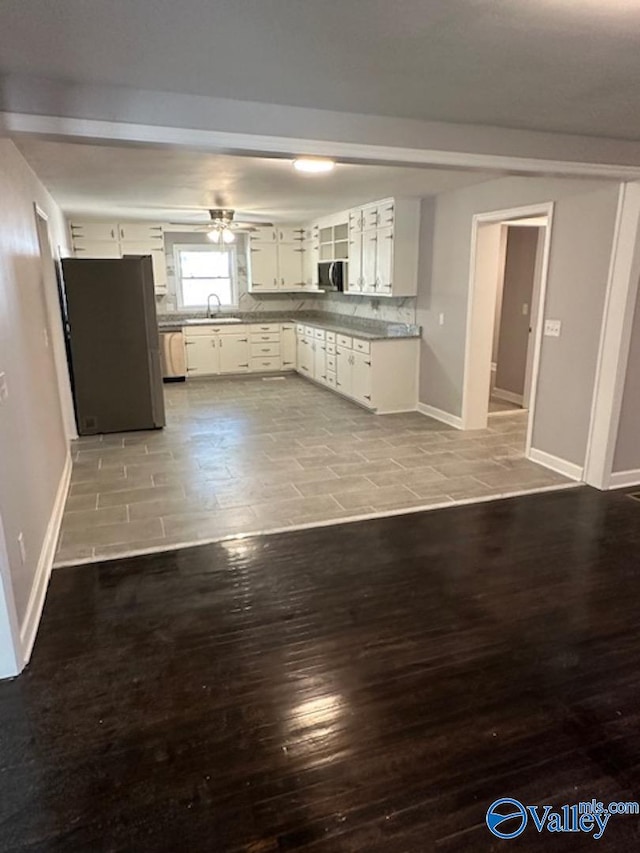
(209, 297)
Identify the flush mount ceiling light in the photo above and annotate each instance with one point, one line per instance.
(313, 165)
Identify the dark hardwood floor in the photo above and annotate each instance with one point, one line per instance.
(366, 687)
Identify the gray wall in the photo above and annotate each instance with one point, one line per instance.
(584, 219)
(627, 452)
(389, 310)
(33, 445)
(517, 290)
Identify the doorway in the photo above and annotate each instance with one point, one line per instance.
(516, 293)
(507, 284)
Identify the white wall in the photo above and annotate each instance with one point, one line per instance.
(627, 452)
(581, 245)
(33, 442)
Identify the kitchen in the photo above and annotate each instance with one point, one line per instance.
(288, 343)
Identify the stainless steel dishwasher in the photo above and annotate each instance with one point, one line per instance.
(174, 360)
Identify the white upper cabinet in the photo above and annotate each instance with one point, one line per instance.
(140, 232)
(96, 248)
(115, 240)
(94, 231)
(279, 259)
(384, 244)
(290, 233)
(264, 266)
(290, 269)
(264, 234)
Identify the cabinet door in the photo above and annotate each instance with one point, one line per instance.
(264, 267)
(354, 267)
(320, 361)
(290, 234)
(369, 252)
(370, 216)
(344, 370)
(384, 260)
(361, 377)
(288, 347)
(305, 356)
(290, 266)
(159, 261)
(95, 248)
(264, 234)
(136, 231)
(233, 351)
(310, 258)
(202, 355)
(94, 230)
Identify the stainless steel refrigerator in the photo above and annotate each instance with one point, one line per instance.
(113, 344)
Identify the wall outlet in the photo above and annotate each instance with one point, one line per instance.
(525, 309)
(4, 387)
(23, 550)
(552, 328)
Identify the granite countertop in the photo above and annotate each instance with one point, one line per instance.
(373, 330)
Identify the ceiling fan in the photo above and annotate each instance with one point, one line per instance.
(222, 225)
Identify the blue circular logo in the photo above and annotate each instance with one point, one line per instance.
(510, 812)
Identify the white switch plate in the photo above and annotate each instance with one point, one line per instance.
(552, 328)
(441, 319)
(4, 388)
(525, 309)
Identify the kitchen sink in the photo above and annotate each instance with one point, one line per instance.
(212, 321)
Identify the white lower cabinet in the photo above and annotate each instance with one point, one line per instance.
(379, 374)
(344, 371)
(233, 353)
(288, 346)
(202, 355)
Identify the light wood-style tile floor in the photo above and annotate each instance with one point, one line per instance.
(253, 454)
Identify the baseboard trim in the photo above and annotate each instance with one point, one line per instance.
(29, 628)
(555, 463)
(620, 479)
(507, 396)
(440, 415)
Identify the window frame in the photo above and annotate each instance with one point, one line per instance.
(178, 248)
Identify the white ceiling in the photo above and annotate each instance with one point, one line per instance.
(163, 184)
(560, 65)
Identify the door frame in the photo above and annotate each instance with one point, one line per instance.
(53, 313)
(11, 651)
(479, 329)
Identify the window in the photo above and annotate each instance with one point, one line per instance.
(202, 270)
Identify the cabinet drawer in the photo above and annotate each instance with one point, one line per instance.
(265, 327)
(319, 334)
(331, 337)
(331, 362)
(361, 346)
(231, 329)
(197, 331)
(344, 341)
(265, 363)
(331, 378)
(265, 337)
(309, 331)
(331, 349)
(258, 350)
(299, 329)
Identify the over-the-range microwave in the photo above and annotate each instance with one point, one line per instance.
(332, 276)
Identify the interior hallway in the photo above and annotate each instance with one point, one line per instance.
(364, 687)
(250, 454)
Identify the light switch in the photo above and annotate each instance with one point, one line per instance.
(4, 388)
(525, 309)
(441, 319)
(552, 328)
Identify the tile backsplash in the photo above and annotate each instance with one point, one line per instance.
(401, 310)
